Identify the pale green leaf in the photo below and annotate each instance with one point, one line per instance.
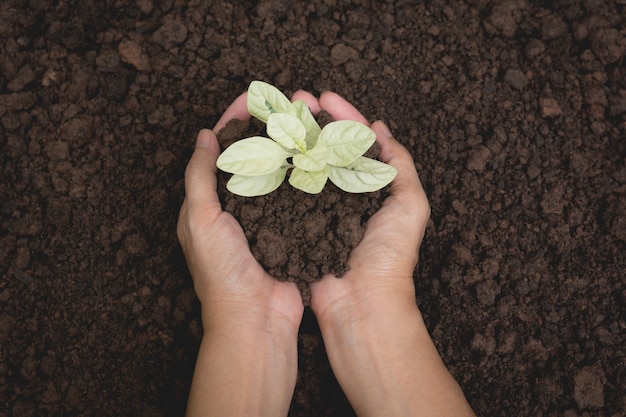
(312, 160)
(287, 130)
(309, 182)
(346, 140)
(306, 117)
(307, 163)
(362, 176)
(265, 99)
(252, 156)
(256, 185)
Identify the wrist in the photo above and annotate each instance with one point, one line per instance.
(245, 366)
(384, 359)
(356, 298)
(247, 320)
(372, 320)
(371, 358)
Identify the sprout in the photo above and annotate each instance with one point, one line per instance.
(260, 164)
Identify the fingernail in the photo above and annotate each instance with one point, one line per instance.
(385, 129)
(203, 139)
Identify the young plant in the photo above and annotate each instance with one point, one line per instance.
(260, 164)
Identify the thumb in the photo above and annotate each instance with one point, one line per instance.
(406, 187)
(200, 175)
(393, 153)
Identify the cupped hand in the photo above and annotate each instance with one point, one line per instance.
(229, 282)
(382, 265)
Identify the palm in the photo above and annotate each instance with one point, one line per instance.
(226, 272)
(385, 258)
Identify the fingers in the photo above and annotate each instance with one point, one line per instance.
(407, 185)
(340, 108)
(309, 99)
(200, 179)
(237, 110)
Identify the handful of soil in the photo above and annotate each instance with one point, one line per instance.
(295, 236)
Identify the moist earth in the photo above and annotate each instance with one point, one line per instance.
(514, 112)
(298, 237)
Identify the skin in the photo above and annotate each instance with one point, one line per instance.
(375, 337)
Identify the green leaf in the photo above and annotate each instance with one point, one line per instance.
(306, 117)
(309, 182)
(312, 160)
(362, 176)
(346, 140)
(265, 99)
(256, 185)
(252, 156)
(287, 130)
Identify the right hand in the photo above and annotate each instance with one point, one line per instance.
(382, 265)
(376, 340)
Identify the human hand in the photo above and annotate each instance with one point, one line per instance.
(382, 265)
(228, 281)
(247, 363)
(374, 334)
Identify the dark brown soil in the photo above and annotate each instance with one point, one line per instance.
(296, 236)
(514, 110)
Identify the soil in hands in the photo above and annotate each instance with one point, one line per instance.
(296, 236)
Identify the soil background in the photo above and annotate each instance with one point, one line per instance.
(515, 113)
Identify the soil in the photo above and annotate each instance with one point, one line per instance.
(299, 237)
(514, 111)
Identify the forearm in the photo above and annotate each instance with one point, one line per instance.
(244, 373)
(388, 365)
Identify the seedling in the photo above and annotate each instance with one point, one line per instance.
(297, 142)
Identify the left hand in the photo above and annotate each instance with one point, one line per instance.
(228, 280)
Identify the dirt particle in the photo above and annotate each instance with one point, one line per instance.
(58, 150)
(315, 225)
(16, 101)
(271, 9)
(131, 53)
(617, 103)
(553, 202)
(163, 158)
(506, 343)
(589, 387)
(146, 6)
(552, 27)
(135, 244)
(115, 84)
(505, 17)
(489, 88)
(350, 230)
(22, 258)
(108, 61)
(549, 107)
(534, 48)
(615, 218)
(478, 158)
(487, 291)
(272, 238)
(341, 54)
(516, 78)
(172, 32)
(608, 45)
(459, 207)
(24, 76)
(484, 343)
